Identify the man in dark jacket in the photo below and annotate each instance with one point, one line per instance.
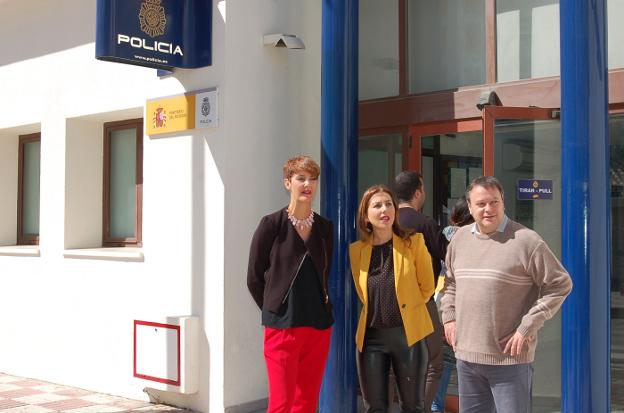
(410, 190)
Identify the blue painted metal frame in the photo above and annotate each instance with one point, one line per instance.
(585, 206)
(339, 191)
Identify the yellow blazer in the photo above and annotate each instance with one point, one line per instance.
(413, 280)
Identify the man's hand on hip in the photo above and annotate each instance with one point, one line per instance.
(449, 333)
(515, 344)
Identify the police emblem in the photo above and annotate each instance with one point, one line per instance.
(205, 108)
(160, 118)
(152, 18)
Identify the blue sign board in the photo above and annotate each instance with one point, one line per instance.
(163, 34)
(533, 189)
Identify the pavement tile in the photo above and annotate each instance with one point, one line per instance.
(63, 405)
(160, 408)
(29, 383)
(131, 404)
(21, 395)
(8, 404)
(7, 387)
(28, 409)
(98, 408)
(50, 388)
(41, 398)
(101, 398)
(73, 392)
(13, 394)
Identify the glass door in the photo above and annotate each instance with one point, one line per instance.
(616, 135)
(449, 155)
(525, 156)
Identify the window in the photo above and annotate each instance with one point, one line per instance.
(28, 189)
(379, 49)
(123, 183)
(527, 39)
(446, 44)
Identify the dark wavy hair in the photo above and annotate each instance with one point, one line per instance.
(365, 228)
(460, 214)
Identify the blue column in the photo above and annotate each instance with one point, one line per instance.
(339, 191)
(585, 206)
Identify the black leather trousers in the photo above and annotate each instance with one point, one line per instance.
(388, 347)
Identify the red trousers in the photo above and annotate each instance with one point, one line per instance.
(295, 360)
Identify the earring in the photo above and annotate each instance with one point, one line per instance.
(369, 227)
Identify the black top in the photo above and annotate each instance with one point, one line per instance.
(436, 243)
(383, 308)
(304, 305)
(275, 253)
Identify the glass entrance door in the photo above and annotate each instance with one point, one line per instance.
(526, 158)
(521, 147)
(616, 132)
(449, 155)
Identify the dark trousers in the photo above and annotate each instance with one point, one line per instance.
(436, 355)
(388, 347)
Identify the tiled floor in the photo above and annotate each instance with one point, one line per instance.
(20, 395)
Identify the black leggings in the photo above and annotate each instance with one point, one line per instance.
(385, 347)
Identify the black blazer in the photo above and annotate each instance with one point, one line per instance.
(276, 254)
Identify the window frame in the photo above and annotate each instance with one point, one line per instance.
(25, 239)
(107, 239)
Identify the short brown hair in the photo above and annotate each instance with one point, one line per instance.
(485, 182)
(365, 229)
(301, 163)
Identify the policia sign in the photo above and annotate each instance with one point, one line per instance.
(162, 34)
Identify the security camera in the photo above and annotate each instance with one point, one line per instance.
(289, 41)
(487, 98)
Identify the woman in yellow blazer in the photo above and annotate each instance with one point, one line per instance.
(394, 279)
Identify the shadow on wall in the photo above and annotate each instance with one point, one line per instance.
(24, 21)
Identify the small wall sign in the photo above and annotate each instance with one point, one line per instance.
(193, 110)
(534, 189)
(206, 109)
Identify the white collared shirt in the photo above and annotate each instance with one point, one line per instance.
(501, 227)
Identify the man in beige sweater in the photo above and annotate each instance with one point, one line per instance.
(502, 283)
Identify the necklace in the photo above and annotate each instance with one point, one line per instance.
(301, 223)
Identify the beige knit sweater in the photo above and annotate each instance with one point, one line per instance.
(498, 284)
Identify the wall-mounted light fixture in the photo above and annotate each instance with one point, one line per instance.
(289, 41)
(488, 98)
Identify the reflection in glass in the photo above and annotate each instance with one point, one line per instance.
(615, 40)
(616, 132)
(532, 150)
(527, 39)
(446, 44)
(30, 206)
(448, 168)
(378, 54)
(122, 214)
(379, 160)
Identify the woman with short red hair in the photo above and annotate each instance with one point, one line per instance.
(289, 263)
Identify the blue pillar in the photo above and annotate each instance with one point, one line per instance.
(339, 130)
(585, 206)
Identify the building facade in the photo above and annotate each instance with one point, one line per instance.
(102, 224)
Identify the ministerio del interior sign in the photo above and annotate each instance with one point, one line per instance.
(193, 110)
(162, 34)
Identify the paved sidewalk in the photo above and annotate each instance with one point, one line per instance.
(20, 395)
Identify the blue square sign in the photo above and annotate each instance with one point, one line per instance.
(534, 189)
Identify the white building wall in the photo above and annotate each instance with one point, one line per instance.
(70, 320)
(275, 102)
